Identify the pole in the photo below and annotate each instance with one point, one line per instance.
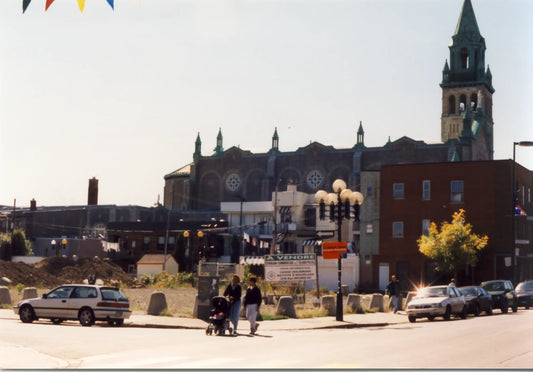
(275, 220)
(339, 262)
(166, 237)
(513, 197)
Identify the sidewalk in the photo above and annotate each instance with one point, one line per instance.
(140, 319)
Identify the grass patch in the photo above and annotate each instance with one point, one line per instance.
(311, 313)
(166, 312)
(273, 317)
(6, 306)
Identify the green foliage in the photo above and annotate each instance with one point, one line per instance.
(166, 280)
(5, 247)
(454, 247)
(20, 287)
(20, 245)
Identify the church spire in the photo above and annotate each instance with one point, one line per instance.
(360, 135)
(219, 149)
(275, 140)
(197, 147)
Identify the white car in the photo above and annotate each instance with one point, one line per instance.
(436, 301)
(86, 303)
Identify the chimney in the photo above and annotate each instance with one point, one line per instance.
(33, 205)
(92, 198)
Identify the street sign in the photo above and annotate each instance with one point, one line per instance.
(333, 250)
(290, 267)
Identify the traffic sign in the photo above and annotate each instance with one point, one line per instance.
(333, 250)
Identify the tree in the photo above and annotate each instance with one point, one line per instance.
(20, 245)
(5, 247)
(454, 247)
(179, 252)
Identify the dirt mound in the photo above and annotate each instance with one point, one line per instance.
(55, 271)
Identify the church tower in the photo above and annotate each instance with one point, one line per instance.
(467, 86)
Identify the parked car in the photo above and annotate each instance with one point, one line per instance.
(524, 293)
(477, 300)
(436, 301)
(86, 303)
(503, 294)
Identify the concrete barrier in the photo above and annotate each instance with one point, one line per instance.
(376, 302)
(158, 303)
(5, 281)
(344, 290)
(29, 292)
(286, 307)
(5, 297)
(329, 303)
(353, 302)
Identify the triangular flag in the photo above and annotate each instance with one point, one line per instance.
(110, 2)
(81, 4)
(48, 3)
(25, 4)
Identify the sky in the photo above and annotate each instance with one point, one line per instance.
(121, 95)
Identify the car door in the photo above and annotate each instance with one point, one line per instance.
(455, 300)
(54, 304)
(81, 296)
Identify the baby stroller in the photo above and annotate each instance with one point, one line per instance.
(218, 320)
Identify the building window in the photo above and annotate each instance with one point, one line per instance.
(171, 240)
(369, 191)
(426, 190)
(457, 192)
(397, 191)
(132, 269)
(233, 182)
(314, 179)
(425, 227)
(397, 229)
(310, 217)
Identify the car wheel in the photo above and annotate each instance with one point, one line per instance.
(448, 313)
(412, 318)
(26, 314)
(464, 313)
(477, 310)
(431, 318)
(86, 317)
(56, 320)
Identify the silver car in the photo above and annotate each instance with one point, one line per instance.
(436, 301)
(86, 303)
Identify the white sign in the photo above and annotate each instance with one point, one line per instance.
(290, 267)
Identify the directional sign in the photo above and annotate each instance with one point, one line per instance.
(290, 267)
(333, 250)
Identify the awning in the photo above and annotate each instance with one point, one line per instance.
(252, 260)
(312, 242)
(285, 210)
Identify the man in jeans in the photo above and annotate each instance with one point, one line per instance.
(393, 290)
(252, 302)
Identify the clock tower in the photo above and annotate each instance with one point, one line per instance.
(467, 89)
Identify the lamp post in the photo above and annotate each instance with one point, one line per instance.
(53, 242)
(514, 197)
(341, 202)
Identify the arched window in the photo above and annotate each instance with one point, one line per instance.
(451, 104)
(473, 102)
(462, 103)
(464, 58)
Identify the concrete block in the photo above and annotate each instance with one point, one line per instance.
(29, 292)
(5, 297)
(330, 304)
(5, 281)
(286, 307)
(344, 290)
(376, 302)
(158, 303)
(353, 302)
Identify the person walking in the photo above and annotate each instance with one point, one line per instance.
(393, 290)
(252, 302)
(234, 292)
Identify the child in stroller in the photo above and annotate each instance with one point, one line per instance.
(218, 320)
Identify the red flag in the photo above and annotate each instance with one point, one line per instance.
(48, 3)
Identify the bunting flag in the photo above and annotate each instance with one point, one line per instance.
(519, 211)
(81, 4)
(25, 4)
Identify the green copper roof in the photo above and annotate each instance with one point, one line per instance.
(467, 24)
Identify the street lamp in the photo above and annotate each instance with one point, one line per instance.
(53, 242)
(514, 197)
(341, 202)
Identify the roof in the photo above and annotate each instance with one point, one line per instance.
(467, 23)
(153, 259)
(184, 171)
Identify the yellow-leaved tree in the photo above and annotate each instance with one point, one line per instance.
(454, 247)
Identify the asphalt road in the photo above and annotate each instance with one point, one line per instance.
(498, 341)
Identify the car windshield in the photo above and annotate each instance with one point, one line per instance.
(468, 291)
(525, 286)
(113, 294)
(493, 286)
(433, 292)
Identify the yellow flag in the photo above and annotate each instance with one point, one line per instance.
(81, 4)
